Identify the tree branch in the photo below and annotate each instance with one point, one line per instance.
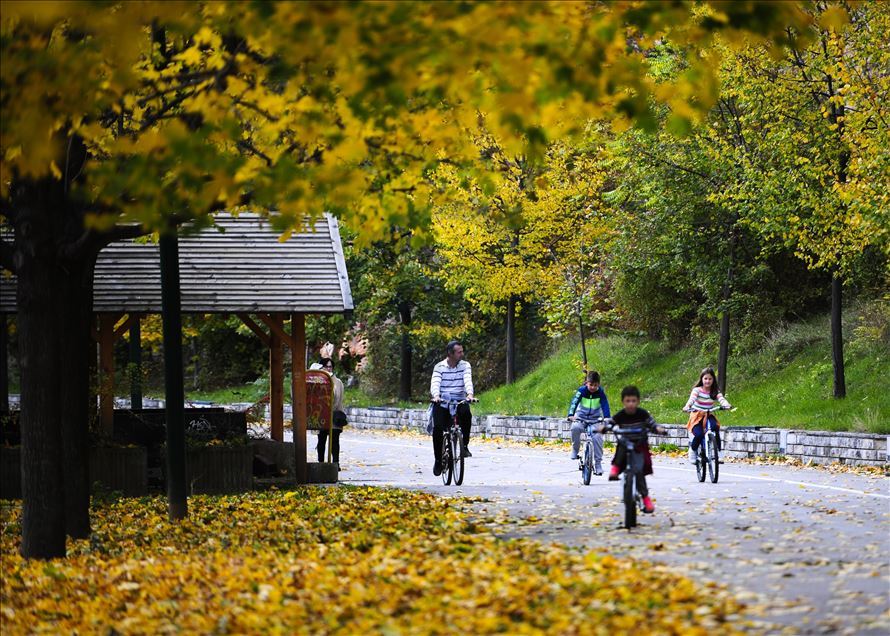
(92, 241)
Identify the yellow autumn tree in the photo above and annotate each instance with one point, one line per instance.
(123, 119)
(514, 230)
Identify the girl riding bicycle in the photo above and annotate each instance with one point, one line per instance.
(705, 397)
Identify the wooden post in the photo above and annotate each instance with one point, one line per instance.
(174, 392)
(135, 363)
(276, 381)
(298, 395)
(4, 366)
(94, 366)
(106, 373)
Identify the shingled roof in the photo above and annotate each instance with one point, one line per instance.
(239, 265)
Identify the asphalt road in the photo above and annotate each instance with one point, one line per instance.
(808, 550)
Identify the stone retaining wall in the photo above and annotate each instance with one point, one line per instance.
(816, 446)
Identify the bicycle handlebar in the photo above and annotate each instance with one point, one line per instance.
(458, 403)
(710, 410)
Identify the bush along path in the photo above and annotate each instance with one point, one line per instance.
(336, 560)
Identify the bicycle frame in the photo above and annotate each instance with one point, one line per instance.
(452, 438)
(633, 470)
(707, 460)
(589, 430)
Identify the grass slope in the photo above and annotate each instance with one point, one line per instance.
(787, 383)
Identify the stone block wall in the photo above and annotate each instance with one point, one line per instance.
(815, 446)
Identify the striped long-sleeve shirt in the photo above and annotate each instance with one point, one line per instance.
(701, 400)
(455, 382)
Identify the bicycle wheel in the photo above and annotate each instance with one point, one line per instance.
(714, 462)
(458, 457)
(447, 462)
(587, 466)
(701, 468)
(630, 505)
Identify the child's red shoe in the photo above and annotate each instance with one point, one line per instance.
(613, 473)
(648, 506)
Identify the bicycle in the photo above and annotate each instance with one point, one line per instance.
(633, 501)
(586, 461)
(452, 444)
(707, 460)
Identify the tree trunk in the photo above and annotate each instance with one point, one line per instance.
(837, 338)
(583, 342)
(174, 393)
(37, 298)
(406, 352)
(723, 356)
(837, 114)
(511, 340)
(76, 292)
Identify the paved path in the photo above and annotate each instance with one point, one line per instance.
(809, 550)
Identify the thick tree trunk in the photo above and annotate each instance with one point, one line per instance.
(837, 338)
(76, 291)
(43, 496)
(511, 340)
(174, 393)
(406, 353)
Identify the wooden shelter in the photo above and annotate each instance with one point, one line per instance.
(240, 266)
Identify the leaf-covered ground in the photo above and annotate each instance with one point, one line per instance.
(334, 560)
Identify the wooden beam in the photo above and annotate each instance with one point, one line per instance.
(275, 322)
(298, 394)
(124, 326)
(262, 335)
(276, 385)
(106, 372)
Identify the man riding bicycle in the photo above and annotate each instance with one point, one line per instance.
(452, 381)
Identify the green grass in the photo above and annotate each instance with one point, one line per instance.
(787, 383)
(250, 392)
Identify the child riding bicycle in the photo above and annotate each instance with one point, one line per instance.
(632, 416)
(589, 403)
(705, 397)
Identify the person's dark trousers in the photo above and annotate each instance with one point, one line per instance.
(442, 422)
(335, 446)
(698, 435)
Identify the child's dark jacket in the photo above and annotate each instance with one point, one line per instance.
(640, 418)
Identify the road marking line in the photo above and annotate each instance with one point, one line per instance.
(685, 470)
(786, 481)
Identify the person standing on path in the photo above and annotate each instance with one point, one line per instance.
(452, 381)
(327, 364)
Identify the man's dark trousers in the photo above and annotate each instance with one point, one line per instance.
(442, 422)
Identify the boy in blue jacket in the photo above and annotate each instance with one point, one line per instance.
(590, 402)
